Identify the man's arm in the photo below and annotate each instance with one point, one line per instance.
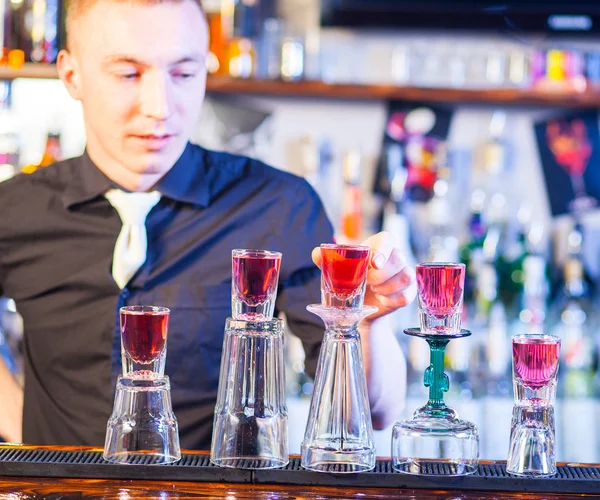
(385, 368)
(11, 419)
(11, 422)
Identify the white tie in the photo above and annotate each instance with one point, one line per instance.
(132, 242)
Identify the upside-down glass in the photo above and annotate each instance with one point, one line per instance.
(440, 287)
(535, 375)
(255, 274)
(142, 427)
(339, 432)
(436, 440)
(250, 428)
(144, 340)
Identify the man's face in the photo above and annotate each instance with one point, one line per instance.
(140, 75)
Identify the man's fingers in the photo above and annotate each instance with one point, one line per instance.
(381, 245)
(316, 256)
(397, 283)
(393, 266)
(399, 299)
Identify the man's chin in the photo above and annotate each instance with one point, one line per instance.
(154, 162)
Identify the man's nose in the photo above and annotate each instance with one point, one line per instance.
(155, 98)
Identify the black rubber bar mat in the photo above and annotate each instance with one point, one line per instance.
(16, 461)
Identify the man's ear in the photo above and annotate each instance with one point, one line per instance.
(68, 72)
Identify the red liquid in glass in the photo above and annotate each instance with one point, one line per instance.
(255, 278)
(535, 361)
(344, 269)
(440, 287)
(144, 335)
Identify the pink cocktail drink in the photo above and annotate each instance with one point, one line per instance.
(144, 338)
(535, 367)
(344, 271)
(440, 288)
(255, 275)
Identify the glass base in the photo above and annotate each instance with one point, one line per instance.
(250, 462)
(421, 443)
(336, 461)
(142, 458)
(434, 467)
(531, 450)
(250, 441)
(142, 428)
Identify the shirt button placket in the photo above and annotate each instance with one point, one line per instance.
(116, 345)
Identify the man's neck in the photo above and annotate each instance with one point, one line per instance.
(125, 178)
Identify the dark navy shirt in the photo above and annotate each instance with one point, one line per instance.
(57, 236)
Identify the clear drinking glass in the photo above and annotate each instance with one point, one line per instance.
(440, 287)
(435, 433)
(339, 432)
(144, 340)
(344, 275)
(250, 428)
(142, 427)
(535, 375)
(255, 274)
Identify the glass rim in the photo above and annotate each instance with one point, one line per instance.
(140, 310)
(343, 246)
(547, 338)
(254, 324)
(254, 252)
(459, 265)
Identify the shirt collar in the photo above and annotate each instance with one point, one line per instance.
(186, 181)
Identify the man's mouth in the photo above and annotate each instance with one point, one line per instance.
(155, 142)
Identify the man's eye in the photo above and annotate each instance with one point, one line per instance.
(128, 76)
(184, 76)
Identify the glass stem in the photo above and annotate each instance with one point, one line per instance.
(435, 378)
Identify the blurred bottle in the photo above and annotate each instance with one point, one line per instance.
(315, 159)
(471, 253)
(243, 27)
(217, 61)
(52, 154)
(352, 212)
(477, 319)
(239, 25)
(35, 27)
(494, 158)
(533, 302)
(270, 49)
(389, 184)
(443, 243)
(9, 143)
(5, 17)
(292, 58)
(498, 352)
(572, 318)
(242, 57)
(510, 261)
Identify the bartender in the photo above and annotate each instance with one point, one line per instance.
(145, 217)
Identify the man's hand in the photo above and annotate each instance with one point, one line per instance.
(391, 284)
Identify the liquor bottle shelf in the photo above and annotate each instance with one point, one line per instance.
(315, 89)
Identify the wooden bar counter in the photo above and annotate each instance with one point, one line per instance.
(26, 488)
(47, 483)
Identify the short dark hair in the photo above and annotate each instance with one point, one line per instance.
(76, 8)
